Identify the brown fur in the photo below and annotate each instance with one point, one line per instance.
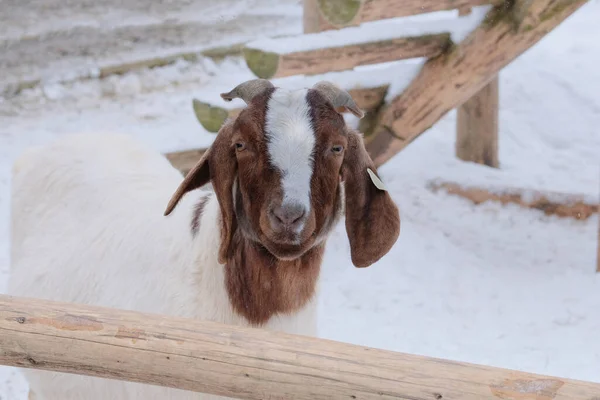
(266, 272)
(197, 214)
(260, 285)
(372, 218)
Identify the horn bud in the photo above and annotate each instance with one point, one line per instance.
(339, 98)
(248, 90)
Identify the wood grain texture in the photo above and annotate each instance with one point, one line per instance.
(449, 80)
(269, 65)
(564, 205)
(335, 14)
(477, 127)
(246, 363)
(185, 160)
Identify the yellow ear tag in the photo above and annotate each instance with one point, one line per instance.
(376, 181)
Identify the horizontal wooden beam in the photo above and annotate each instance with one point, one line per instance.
(246, 363)
(551, 203)
(335, 14)
(344, 49)
(598, 246)
(269, 64)
(185, 160)
(451, 79)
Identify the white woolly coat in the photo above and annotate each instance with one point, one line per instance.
(88, 227)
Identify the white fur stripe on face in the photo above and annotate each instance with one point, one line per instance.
(291, 142)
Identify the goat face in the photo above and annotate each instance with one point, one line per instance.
(281, 168)
(289, 148)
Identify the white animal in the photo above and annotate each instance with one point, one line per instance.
(89, 224)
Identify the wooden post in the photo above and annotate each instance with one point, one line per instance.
(311, 19)
(477, 127)
(246, 363)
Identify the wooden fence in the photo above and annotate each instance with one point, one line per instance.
(460, 75)
(246, 363)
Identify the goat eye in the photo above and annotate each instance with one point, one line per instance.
(337, 149)
(239, 146)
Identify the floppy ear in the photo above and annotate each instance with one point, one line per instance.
(372, 218)
(219, 165)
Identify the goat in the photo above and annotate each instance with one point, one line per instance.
(89, 225)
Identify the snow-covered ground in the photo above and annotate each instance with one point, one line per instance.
(502, 286)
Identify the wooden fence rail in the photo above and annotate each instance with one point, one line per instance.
(335, 14)
(246, 363)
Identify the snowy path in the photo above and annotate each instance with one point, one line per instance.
(489, 284)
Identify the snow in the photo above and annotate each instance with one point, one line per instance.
(393, 28)
(396, 74)
(488, 284)
(55, 40)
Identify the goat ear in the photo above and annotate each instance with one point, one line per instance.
(196, 178)
(372, 218)
(218, 165)
(223, 167)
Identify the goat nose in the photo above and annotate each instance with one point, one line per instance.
(289, 215)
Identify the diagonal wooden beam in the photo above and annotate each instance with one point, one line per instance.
(447, 81)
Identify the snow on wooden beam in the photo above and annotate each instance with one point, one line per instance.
(367, 85)
(268, 64)
(451, 79)
(245, 363)
(564, 205)
(344, 49)
(335, 14)
(477, 126)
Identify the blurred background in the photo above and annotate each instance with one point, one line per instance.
(497, 258)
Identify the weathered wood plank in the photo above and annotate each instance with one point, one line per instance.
(563, 205)
(477, 127)
(335, 14)
(267, 65)
(449, 80)
(246, 363)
